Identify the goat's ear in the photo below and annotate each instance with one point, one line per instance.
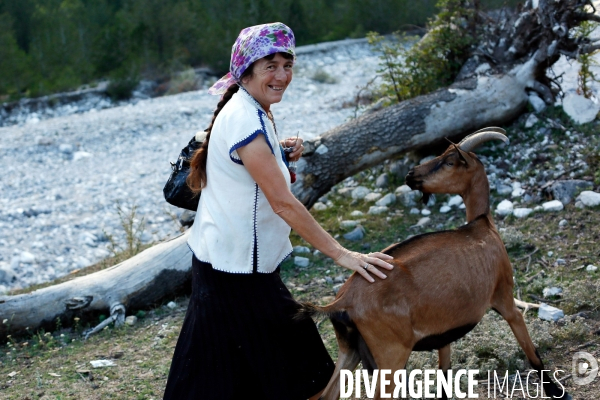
(461, 155)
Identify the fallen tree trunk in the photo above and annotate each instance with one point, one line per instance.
(373, 138)
(138, 282)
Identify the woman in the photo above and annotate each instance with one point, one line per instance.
(239, 338)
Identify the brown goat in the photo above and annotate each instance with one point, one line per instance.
(442, 283)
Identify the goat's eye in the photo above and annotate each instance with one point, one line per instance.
(449, 163)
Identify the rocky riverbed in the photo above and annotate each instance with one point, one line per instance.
(64, 177)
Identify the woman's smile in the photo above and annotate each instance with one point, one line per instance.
(269, 80)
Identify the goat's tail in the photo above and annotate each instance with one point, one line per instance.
(307, 310)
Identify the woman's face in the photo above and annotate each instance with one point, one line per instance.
(269, 80)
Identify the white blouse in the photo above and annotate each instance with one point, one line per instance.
(234, 217)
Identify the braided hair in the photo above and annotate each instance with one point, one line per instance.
(196, 179)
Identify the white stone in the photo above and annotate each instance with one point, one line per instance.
(589, 198)
(518, 192)
(301, 261)
(65, 148)
(386, 200)
(551, 291)
(300, 249)
(522, 212)
(537, 103)
(102, 363)
(360, 192)
(26, 257)
(591, 268)
(415, 211)
(531, 121)
(372, 196)
(131, 320)
(550, 313)
(318, 206)
(563, 223)
(455, 201)
(423, 221)
(348, 224)
(78, 155)
(172, 305)
(425, 212)
(357, 213)
(322, 149)
(580, 109)
(375, 210)
(503, 190)
(504, 208)
(403, 189)
(554, 205)
(445, 209)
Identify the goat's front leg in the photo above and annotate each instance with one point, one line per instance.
(444, 364)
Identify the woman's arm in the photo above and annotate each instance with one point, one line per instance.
(263, 168)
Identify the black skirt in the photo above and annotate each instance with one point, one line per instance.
(239, 340)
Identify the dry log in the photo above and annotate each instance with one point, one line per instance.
(138, 282)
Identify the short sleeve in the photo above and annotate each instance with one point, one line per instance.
(242, 128)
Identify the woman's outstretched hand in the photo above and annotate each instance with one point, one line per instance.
(365, 264)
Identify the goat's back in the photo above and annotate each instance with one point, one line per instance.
(437, 277)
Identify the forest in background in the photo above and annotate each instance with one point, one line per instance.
(48, 46)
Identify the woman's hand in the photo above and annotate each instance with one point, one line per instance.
(365, 264)
(296, 143)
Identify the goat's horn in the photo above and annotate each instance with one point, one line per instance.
(473, 140)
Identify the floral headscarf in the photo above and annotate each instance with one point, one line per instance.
(252, 44)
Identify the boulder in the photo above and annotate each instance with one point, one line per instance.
(565, 190)
(455, 201)
(536, 102)
(375, 210)
(531, 121)
(522, 212)
(580, 109)
(550, 313)
(504, 208)
(386, 200)
(356, 234)
(372, 196)
(589, 198)
(318, 206)
(302, 262)
(359, 192)
(382, 181)
(554, 205)
(301, 249)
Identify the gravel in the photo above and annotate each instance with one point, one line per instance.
(64, 173)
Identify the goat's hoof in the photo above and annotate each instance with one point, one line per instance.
(565, 396)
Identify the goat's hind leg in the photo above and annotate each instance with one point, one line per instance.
(348, 355)
(513, 316)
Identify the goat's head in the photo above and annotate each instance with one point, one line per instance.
(452, 172)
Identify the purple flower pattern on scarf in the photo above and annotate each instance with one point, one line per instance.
(254, 43)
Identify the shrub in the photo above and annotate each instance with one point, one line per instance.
(435, 60)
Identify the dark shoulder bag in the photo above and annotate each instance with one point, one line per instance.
(176, 190)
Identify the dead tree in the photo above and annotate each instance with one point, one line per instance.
(518, 47)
